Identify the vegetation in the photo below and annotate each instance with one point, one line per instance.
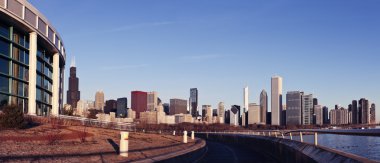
(12, 116)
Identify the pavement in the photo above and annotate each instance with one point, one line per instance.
(219, 152)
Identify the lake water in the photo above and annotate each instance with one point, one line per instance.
(365, 146)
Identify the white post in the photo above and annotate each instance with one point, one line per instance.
(316, 138)
(173, 133)
(56, 83)
(124, 144)
(291, 137)
(185, 137)
(192, 135)
(32, 73)
(283, 135)
(301, 137)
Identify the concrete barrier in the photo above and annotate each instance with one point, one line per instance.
(285, 150)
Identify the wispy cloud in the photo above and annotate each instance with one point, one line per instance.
(203, 57)
(123, 67)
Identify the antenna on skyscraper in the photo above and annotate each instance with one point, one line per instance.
(73, 62)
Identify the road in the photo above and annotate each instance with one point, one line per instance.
(218, 152)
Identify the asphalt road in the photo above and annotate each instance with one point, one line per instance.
(218, 152)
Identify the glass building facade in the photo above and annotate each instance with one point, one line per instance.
(32, 60)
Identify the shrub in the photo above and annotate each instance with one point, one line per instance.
(12, 117)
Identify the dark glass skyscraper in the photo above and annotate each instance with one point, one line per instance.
(122, 107)
(73, 94)
(355, 119)
(294, 108)
(193, 102)
(325, 115)
(263, 106)
(139, 102)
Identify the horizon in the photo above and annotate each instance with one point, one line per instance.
(220, 47)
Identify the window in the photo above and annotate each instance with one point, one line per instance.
(3, 99)
(39, 53)
(26, 59)
(4, 66)
(4, 48)
(16, 53)
(4, 86)
(4, 31)
(26, 74)
(39, 80)
(26, 90)
(39, 66)
(38, 94)
(47, 71)
(20, 89)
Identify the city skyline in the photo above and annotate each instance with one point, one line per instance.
(335, 84)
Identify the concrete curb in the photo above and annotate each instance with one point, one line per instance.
(197, 149)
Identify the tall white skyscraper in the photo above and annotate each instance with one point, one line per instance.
(276, 100)
(152, 101)
(246, 103)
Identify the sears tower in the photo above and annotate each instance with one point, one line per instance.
(73, 94)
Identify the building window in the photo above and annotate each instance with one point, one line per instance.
(4, 31)
(4, 66)
(4, 48)
(3, 99)
(4, 86)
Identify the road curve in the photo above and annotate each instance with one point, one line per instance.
(219, 152)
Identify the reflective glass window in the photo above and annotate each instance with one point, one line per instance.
(4, 48)
(4, 86)
(4, 99)
(15, 87)
(26, 58)
(20, 89)
(38, 94)
(4, 65)
(4, 31)
(39, 66)
(39, 80)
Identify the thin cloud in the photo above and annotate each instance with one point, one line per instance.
(124, 67)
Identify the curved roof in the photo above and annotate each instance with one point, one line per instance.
(24, 12)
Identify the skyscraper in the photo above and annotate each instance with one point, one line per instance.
(254, 114)
(355, 117)
(307, 107)
(294, 108)
(73, 94)
(315, 102)
(152, 101)
(221, 110)
(178, 106)
(373, 114)
(263, 106)
(318, 115)
(122, 107)
(139, 102)
(245, 100)
(276, 100)
(193, 102)
(364, 112)
(325, 115)
(99, 100)
(111, 106)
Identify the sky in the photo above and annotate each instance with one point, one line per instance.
(330, 48)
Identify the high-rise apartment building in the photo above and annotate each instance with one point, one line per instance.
(99, 100)
(307, 107)
(325, 115)
(221, 110)
(254, 114)
(364, 112)
(294, 108)
(246, 99)
(263, 106)
(318, 114)
(355, 112)
(276, 100)
(373, 114)
(73, 94)
(193, 100)
(152, 101)
(139, 102)
(178, 106)
(122, 107)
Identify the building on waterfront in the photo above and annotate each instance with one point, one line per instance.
(227, 117)
(178, 106)
(325, 115)
(221, 112)
(166, 108)
(99, 100)
(82, 107)
(373, 114)
(111, 106)
(254, 114)
(318, 115)
(294, 108)
(122, 107)
(355, 117)
(263, 106)
(276, 100)
(234, 114)
(152, 101)
(339, 116)
(193, 100)
(307, 107)
(246, 99)
(73, 93)
(139, 102)
(315, 102)
(364, 112)
(32, 60)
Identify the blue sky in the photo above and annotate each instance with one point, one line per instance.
(328, 48)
